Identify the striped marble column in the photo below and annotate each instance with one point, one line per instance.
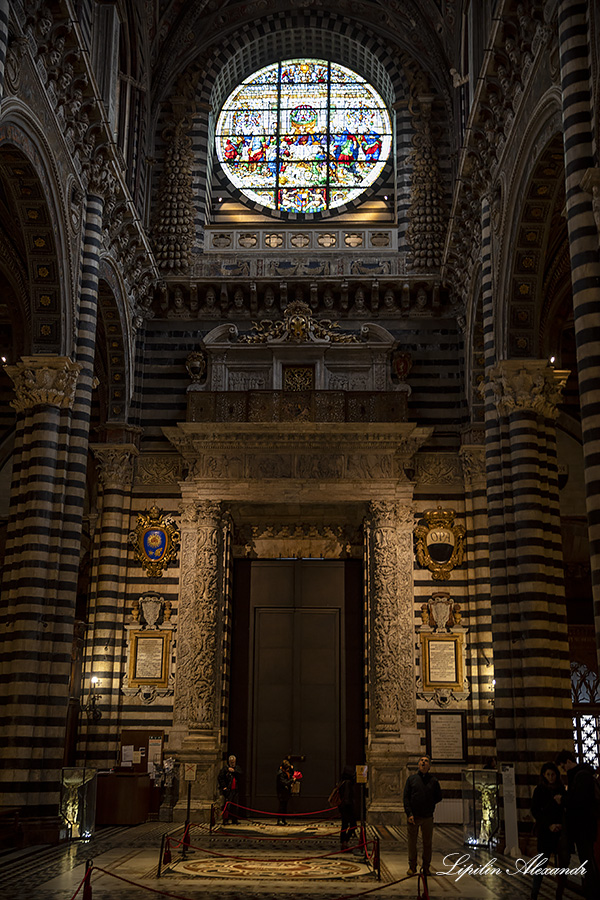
(106, 643)
(37, 617)
(480, 646)
(575, 60)
(533, 706)
(4, 11)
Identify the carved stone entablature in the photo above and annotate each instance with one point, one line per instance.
(44, 381)
(303, 541)
(157, 469)
(526, 386)
(442, 651)
(334, 360)
(115, 464)
(250, 459)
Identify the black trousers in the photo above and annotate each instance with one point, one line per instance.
(282, 808)
(348, 817)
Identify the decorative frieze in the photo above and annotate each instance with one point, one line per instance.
(44, 381)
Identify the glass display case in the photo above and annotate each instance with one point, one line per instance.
(78, 801)
(480, 806)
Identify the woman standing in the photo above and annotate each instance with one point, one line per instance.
(283, 786)
(547, 808)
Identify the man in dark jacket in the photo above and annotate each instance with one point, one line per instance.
(421, 793)
(581, 816)
(229, 783)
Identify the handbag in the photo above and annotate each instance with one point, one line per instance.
(334, 798)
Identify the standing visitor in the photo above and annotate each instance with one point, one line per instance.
(421, 793)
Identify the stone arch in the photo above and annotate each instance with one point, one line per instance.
(114, 363)
(534, 202)
(37, 238)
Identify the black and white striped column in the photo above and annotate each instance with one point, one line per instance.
(533, 706)
(36, 620)
(106, 637)
(575, 59)
(4, 11)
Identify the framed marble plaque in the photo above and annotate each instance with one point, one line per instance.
(446, 734)
(149, 658)
(442, 661)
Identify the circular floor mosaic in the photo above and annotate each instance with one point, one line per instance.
(283, 869)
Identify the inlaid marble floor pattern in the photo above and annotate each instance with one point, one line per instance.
(54, 873)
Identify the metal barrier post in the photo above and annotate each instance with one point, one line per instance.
(160, 855)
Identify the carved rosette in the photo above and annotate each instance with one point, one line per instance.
(532, 386)
(200, 616)
(390, 580)
(115, 465)
(44, 381)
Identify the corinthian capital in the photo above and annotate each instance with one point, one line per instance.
(527, 385)
(202, 512)
(44, 381)
(101, 181)
(115, 463)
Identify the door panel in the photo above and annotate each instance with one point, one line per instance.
(292, 621)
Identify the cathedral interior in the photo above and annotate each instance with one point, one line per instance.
(299, 398)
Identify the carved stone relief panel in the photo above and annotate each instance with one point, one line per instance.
(197, 684)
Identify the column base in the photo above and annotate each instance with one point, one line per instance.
(387, 758)
(203, 751)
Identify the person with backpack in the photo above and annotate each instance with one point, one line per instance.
(582, 813)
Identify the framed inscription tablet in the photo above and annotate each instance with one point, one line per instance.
(149, 658)
(446, 736)
(442, 661)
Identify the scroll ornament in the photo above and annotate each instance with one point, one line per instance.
(440, 544)
(155, 541)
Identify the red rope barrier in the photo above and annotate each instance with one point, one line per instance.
(179, 897)
(88, 872)
(293, 837)
(263, 812)
(425, 895)
(265, 858)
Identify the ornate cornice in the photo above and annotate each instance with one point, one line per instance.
(531, 386)
(44, 381)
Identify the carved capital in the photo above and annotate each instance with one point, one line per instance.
(101, 181)
(527, 386)
(115, 464)
(202, 512)
(44, 381)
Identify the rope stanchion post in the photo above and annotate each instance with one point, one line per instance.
(87, 881)
(185, 841)
(425, 894)
(212, 818)
(160, 855)
(377, 858)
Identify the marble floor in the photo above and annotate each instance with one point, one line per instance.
(255, 861)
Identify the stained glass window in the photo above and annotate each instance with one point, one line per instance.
(303, 136)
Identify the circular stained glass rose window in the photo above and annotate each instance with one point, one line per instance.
(303, 136)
